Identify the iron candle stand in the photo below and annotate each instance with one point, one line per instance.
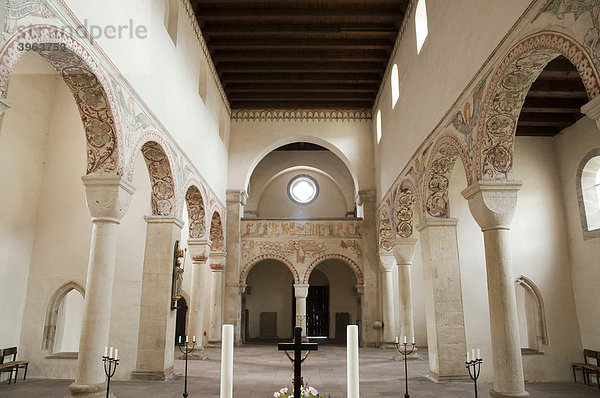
(405, 353)
(110, 367)
(187, 350)
(475, 364)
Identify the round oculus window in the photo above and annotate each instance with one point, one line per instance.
(303, 189)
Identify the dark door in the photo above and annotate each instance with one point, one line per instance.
(181, 318)
(317, 311)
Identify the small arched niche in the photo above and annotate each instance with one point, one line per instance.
(532, 318)
(64, 316)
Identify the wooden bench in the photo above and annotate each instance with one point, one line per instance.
(590, 366)
(12, 365)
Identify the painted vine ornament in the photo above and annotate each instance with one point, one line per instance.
(386, 234)
(404, 212)
(441, 168)
(196, 213)
(163, 187)
(216, 233)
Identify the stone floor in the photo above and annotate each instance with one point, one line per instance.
(260, 370)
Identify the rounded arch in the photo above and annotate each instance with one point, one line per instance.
(216, 233)
(353, 266)
(405, 198)
(88, 84)
(196, 211)
(587, 193)
(161, 177)
(52, 313)
(310, 139)
(248, 266)
(508, 88)
(444, 152)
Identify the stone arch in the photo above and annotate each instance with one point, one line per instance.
(443, 155)
(196, 211)
(88, 83)
(353, 266)
(506, 94)
(585, 201)
(217, 236)
(405, 199)
(539, 311)
(385, 228)
(248, 266)
(161, 177)
(52, 314)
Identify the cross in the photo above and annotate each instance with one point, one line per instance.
(298, 347)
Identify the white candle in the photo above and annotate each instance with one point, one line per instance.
(227, 362)
(111, 352)
(116, 353)
(396, 339)
(413, 340)
(404, 339)
(468, 357)
(179, 339)
(186, 339)
(478, 353)
(194, 339)
(352, 361)
(106, 351)
(473, 354)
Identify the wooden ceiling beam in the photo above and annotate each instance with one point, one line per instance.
(312, 67)
(298, 44)
(292, 96)
(309, 104)
(301, 56)
(303, 87)
(557, 85)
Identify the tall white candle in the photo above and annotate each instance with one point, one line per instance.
(106, 351)
(352, 361)
(473, 354)
(111, 352)
(478, 353)
(186, 339)
(396, 339)
(116, 353)
(194, 339)
(468, 357)
(179, 339)
(227, 362)
(404, 339)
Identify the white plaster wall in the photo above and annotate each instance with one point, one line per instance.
(166, 75)
(251, 141)
(540, 252)
(275, 202)
(272, 291)
(462, 34)
(278, 161)
(571, 146)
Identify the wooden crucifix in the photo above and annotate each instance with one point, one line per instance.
(297, 346)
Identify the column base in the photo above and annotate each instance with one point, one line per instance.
(153, 375)
(88, 391)
(437, 378)
(495, 394)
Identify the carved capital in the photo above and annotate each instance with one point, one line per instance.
(237, 196)
(493, 203)
(437, 223)
(164, 220)
(404, 250)
(301, 290)
(387, 261)
(199, 250)
(107, 196)
(367, 196)
(360, 289)
(217, 261)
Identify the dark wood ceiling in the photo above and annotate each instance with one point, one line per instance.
(554, 101)
(305, 54)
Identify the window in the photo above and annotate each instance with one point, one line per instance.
(64, 316)
(532, 319)
(421, 24)
(378, 126)
(303, 189)
(589, 191)
(172, 18)
(395, 85)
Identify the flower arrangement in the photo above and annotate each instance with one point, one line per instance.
(305, 392)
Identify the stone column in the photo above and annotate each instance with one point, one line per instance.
(156, 339)
(493, 204)
(388, 263)
(592, 110)
(301, 293)
(404, 251)
(236, 200)
(217, 266)
(443, 299)
(199, 251)
(108, 198)
(371, 304)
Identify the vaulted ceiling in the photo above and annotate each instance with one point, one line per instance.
(305, 54)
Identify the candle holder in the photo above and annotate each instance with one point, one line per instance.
(405, 353)
(474, 367)
(110, 367)
(186, 350)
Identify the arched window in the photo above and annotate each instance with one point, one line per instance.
(395, 83)
(532, 318)
(421, 24)
(378, 126)
(172, 18)
(588, 190)
(63, 320)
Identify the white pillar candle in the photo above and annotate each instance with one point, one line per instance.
(194, 339)
(111, 352)
(473, 354)
(186, 339)
(179, 339)
(352, 361)
(478, 353)
(116, 353)
(106, 351)
(404, 339)
(413, 340)
(468, 357)
(227, 362)
(396, 339)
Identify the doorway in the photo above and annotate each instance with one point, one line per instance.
(317, 311)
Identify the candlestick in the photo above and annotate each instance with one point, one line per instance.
(405, 353)
(474, 367)
(110, 367)
(186, 349)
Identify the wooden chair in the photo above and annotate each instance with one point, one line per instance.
(589, 366)
(12, 365)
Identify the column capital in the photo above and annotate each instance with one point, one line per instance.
(360, 289)
(437, 222)
(216, 261)
(236, 196)
(199, 250)
(301, 290)
(387, 261)
(592, 109)
(493, 203)
(4, 105)
(164, 220)
(404, 250)
(367, 196)
(107, 197)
